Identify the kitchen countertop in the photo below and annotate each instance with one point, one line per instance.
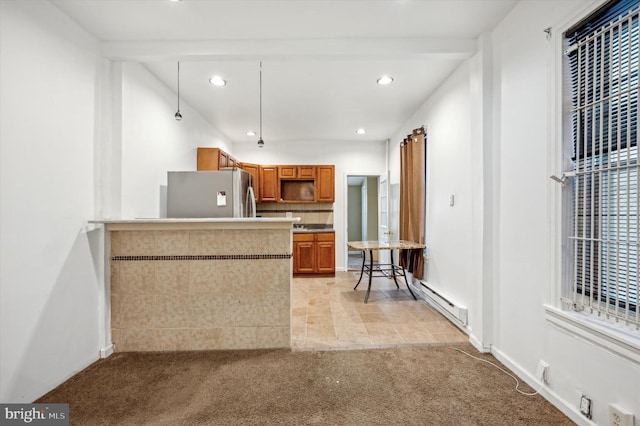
(198, 223)
(310, 229)
(201, 220)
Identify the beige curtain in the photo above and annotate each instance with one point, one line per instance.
(412, 198)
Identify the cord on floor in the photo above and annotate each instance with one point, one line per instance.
(501, 369)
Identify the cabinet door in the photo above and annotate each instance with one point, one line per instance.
(306, 172)
(208, 159)
(224, 159)
(254, 171)
(268, 183)
(325, 184)
(326, 253)
(304, 257)
(287, 172)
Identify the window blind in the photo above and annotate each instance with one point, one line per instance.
(603, 69)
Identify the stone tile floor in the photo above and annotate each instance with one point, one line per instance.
(329, 314)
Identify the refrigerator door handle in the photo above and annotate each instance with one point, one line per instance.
(251, 199)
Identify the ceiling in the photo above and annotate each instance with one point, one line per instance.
(320, 58)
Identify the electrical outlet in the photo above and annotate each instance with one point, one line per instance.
(619, 416)
(542, 372)
(585, 406)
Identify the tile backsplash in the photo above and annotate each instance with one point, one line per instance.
(312, 213)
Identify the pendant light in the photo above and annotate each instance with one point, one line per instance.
(260, 141)
(177, 115)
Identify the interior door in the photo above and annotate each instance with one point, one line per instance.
(383, 219)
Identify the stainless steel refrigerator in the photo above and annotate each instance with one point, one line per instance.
(221, 193)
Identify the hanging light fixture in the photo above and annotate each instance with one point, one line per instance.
(260, 141)
(177, 115)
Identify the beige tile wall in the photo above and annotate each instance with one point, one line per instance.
(314, 213)
(187, 304)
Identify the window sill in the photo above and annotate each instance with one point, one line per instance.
(617, 340)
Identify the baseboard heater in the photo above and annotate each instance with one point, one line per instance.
(443, 303)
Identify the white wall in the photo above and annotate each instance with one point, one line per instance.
(81, 138)
(153, 142)
(50, 286)
(58, 168)
(497, 107)
(446, 117)
(349, 158)
(523, 336)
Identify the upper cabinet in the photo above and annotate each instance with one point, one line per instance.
(325, 184)
(254, 171)
(215, 159)
(278, 183)
(269, 184)
(297, 172)
(306, 184)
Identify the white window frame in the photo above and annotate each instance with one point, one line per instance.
(616, 338)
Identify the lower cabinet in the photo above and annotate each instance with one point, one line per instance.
(314, 253)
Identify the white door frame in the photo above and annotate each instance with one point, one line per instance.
(346, 207)
(384, 230)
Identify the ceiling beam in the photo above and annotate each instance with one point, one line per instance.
(350, 48)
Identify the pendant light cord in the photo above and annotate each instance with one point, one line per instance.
(260, 100)
(178, 86)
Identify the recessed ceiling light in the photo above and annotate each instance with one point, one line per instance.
(175, 1)
(251, 133)
(217, 81)
(384, 80)
(360, 131)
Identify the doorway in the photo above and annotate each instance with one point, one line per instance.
(362, 214)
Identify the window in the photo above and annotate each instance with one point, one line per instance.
(602, 60)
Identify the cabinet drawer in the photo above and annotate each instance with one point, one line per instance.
(302, 237)
(328, 236)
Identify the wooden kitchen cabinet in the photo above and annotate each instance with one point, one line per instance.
(278, 183)
(254, 171)
(326, 253)
(287, 172)
(306, 172)
(214, 159)
(325, 184)
(314, 254)
(208, 159)
(268, 184)
(296, 172)
(304, 254)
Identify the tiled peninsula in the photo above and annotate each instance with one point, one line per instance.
(196, 284)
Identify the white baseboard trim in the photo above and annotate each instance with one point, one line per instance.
(547, 393)
(106, 351)
(478, 344)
